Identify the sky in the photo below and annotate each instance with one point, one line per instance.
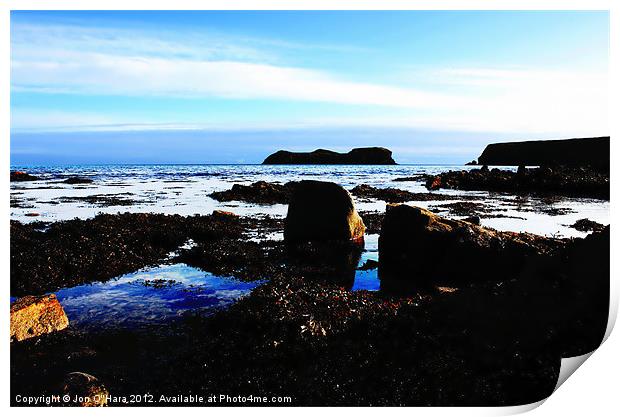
(233, 87)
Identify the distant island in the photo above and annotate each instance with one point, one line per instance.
(580, 152)
(357, 156)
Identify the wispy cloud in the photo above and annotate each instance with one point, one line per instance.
(76, 60)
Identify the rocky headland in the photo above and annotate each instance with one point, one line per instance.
(593, 153)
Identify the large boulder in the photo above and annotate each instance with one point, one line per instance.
(322, 211)
(33, 316)
(418, 247)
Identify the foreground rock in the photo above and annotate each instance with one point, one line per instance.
(584, 152)
(574, 182)
(357, 156)
(322, 211)
(85, 390)
(33, 316)
(260, 192)
(19, 176)
(418, 248)
(394, 195)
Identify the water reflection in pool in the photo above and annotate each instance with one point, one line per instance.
(150, 296)
(369, 279)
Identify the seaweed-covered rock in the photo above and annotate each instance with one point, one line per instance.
(568, 181)
(77, 180)
(33, 316)
(394, 195)
(19, 176)
(418, 247)
(75, 252)
(260, 192)
(85, 390)
(587, 225)
(322, 211)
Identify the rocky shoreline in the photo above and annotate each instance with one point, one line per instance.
(563, 181)
(303, 333)
(463, 314)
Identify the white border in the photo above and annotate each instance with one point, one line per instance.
(591, 391)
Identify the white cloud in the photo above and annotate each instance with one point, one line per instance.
(93, 61)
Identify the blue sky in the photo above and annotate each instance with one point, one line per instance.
(219, 87)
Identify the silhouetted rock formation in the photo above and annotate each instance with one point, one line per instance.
(585, 152)
(321, 211)
(357, 156)
(418, 248)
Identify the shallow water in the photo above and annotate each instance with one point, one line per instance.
(184, 189)
(368, 280)
(151, 296)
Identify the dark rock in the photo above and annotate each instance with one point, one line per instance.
(332, 262)
(260, 192)
(19, 176)
(418, 177)
(100, 200)
(417, 248)
(463, 208)
(224, 213)
(583, 152)
(473, 220)
(33, 316)
(84, 390)
(587, 225)
(394, 195)
(322, 211)
(78, 180)
(368, 265)
(473, 162)
(357, 156)
(574, 182)
(372, 221)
